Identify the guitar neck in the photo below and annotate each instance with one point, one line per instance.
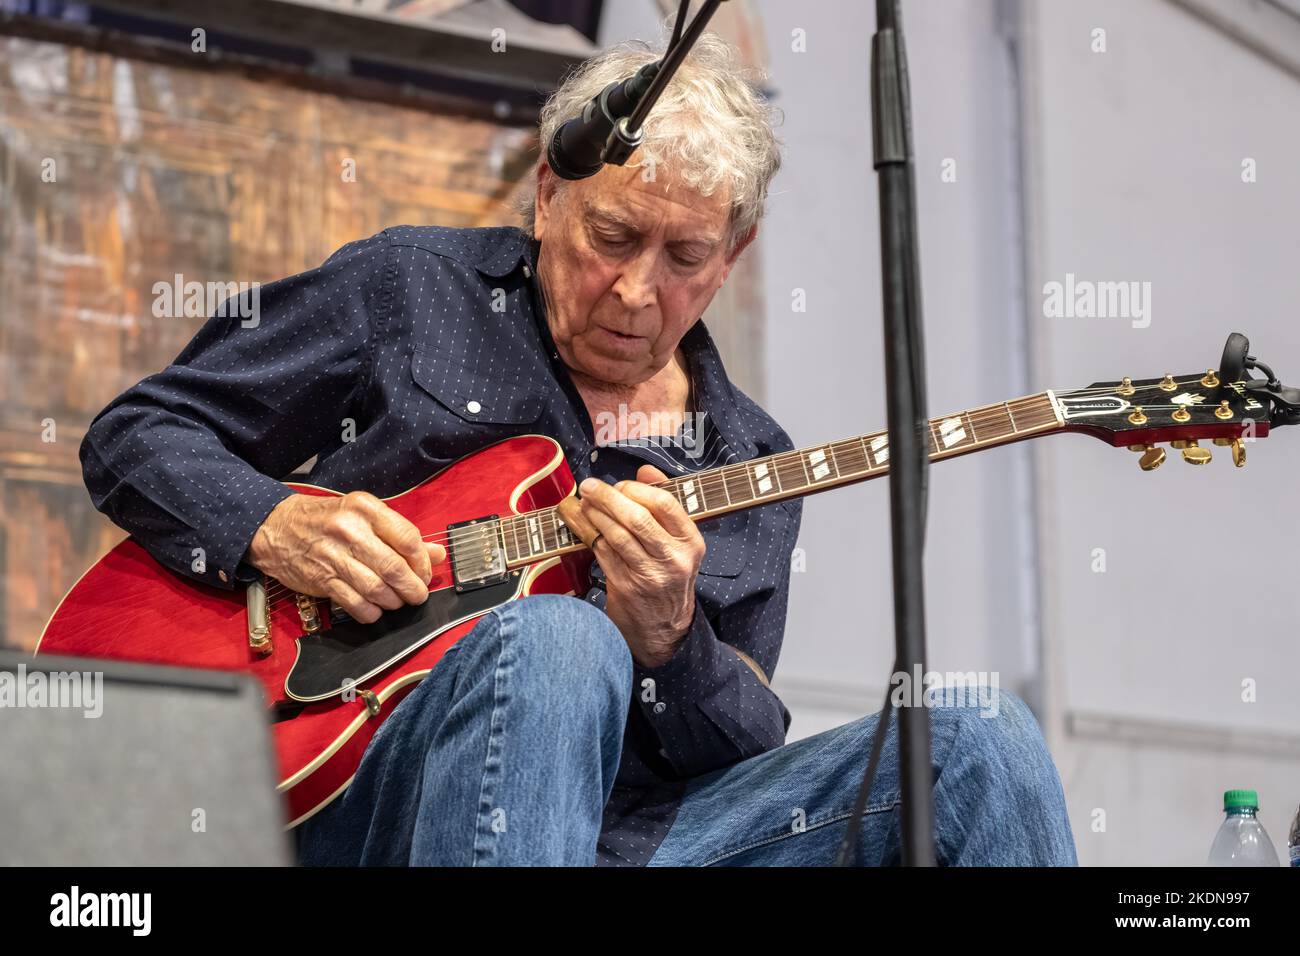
(537, 535)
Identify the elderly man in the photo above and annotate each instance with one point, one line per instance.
(633, 724)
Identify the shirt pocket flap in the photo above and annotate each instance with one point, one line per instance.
(473, 396)
(727, 544)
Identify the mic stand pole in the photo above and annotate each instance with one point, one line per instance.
(909, 436)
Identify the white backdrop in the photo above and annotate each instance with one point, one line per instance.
(1117, 165)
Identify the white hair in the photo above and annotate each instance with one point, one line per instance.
(711, 127)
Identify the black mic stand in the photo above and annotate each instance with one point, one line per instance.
(627, 135)
(909, 437)
(581, 147)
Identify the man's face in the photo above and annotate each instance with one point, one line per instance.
(627, 267)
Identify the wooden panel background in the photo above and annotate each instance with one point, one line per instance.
(216, 174)
(159, 170)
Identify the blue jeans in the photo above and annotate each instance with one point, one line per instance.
(506, 755)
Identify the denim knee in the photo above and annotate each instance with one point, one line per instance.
(1002, 730)
(568, 640)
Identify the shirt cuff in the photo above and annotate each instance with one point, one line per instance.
(231, 531)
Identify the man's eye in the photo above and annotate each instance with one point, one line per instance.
(613, 242)
(686, 260)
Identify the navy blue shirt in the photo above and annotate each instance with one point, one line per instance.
(398, 355)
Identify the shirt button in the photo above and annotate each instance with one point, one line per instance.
(224, 578)
(527, 272)
(473, 408)
(660, 707)
(594, 455)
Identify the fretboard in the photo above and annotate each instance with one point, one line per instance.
(541, 534)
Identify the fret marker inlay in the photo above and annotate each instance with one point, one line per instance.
(692, 502)
(820, 469)
(880, 448)
(952, 431)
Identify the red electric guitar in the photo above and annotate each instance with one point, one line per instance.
(331, 680)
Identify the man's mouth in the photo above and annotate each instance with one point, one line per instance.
(622, 335)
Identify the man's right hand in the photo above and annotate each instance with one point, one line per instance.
(353, 549)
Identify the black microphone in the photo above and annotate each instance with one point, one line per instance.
(577, 149)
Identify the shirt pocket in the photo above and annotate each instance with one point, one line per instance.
(727, 544)
(471, 410)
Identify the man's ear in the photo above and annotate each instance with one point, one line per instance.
(741, 246)
(544, 200)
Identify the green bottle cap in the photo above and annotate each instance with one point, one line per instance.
(1240, 798)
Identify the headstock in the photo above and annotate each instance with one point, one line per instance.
(1219, 406)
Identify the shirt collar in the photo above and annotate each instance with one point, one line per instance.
(502, 257)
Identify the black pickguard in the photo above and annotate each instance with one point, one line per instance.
(351, 651)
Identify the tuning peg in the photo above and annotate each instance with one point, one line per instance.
(1238, 450)
(1152, 457)
(1193, 453)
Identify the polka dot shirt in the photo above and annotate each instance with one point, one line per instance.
(398, 355)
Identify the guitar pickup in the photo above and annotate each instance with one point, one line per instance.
(477, 552)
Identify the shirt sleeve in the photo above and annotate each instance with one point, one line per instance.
(187, 460)
(707, 706)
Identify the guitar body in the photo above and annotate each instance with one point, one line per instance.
(128, 607)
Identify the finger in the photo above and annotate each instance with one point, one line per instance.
(622, 541)
(571, 513)
(437, 553)
(650, 475)
(359, 571)
(346, 597)
(611, 562)
(633, 517)
(391, 568)
(663, 505)
(400, 534)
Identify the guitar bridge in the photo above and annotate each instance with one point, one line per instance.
(477, 552)
(308, 613)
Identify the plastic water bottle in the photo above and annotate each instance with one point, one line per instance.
(1241, 840)
(1293, 844)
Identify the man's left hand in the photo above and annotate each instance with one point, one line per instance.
(650, 551)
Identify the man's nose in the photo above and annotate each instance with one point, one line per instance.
(635, 286)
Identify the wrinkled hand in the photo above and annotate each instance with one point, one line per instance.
(353, 549)
(650, 551)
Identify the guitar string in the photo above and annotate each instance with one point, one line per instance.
(783, 463)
